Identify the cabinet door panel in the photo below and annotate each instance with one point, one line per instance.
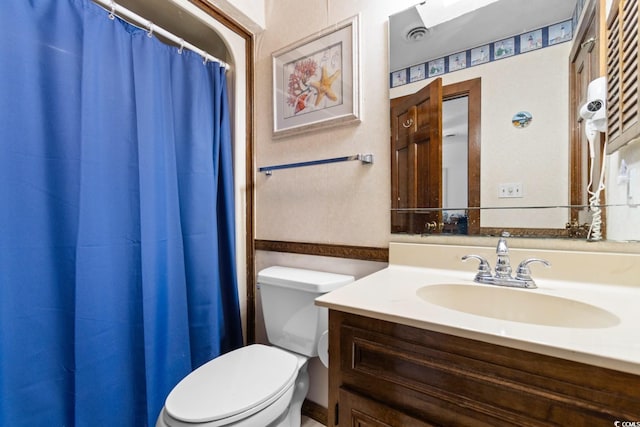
(358, 411)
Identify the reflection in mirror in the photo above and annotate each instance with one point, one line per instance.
(454, 159)
(435, 172)
(437, 28)
(535, 158)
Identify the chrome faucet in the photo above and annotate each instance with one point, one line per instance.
(502, 275)
(503, 264)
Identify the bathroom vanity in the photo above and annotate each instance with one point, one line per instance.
(384, 373)
(399, 357)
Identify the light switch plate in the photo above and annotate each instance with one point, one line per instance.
(510, 190)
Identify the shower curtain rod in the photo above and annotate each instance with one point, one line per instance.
(116, 9)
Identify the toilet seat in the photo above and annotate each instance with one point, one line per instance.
(233, 386)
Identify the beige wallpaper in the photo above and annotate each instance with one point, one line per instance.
(342, 203)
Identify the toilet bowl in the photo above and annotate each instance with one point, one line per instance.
(260, 385)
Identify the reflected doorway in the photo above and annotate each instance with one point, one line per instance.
(419, 183)
(455, 132)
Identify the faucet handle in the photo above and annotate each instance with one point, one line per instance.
(524, 273)
(484, 269)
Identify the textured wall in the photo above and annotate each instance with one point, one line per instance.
(343, 203)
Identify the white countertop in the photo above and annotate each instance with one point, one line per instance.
(390, 294)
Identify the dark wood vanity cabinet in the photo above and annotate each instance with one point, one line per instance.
(386, 374)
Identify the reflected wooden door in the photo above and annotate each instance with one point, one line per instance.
(416, 159)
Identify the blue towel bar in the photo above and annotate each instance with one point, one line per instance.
(364, 158)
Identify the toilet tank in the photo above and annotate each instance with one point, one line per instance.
(292, 320)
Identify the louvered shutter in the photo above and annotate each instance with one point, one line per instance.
(623, 70)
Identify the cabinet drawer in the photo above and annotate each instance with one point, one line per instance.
(447, 379)
(356, 410)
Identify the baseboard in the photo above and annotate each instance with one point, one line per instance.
(314, 411)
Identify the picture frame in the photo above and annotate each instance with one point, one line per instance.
(316, 81)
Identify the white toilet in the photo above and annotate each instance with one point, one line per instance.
(258, 385)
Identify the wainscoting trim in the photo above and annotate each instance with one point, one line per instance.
(320, 249)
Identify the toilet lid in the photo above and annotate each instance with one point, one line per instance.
(248, 378)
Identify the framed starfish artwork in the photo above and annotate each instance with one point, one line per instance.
(316, 81)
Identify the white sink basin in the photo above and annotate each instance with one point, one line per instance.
(517, 305)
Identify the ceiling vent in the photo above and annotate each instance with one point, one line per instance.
(416, 34)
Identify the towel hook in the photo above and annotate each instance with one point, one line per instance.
(408, 123)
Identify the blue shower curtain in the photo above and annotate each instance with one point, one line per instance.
(117, 268)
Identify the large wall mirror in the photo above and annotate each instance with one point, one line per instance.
(485, 136)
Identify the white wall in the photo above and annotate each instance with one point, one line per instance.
(623, 222)
(248, 13)
(454, 174)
